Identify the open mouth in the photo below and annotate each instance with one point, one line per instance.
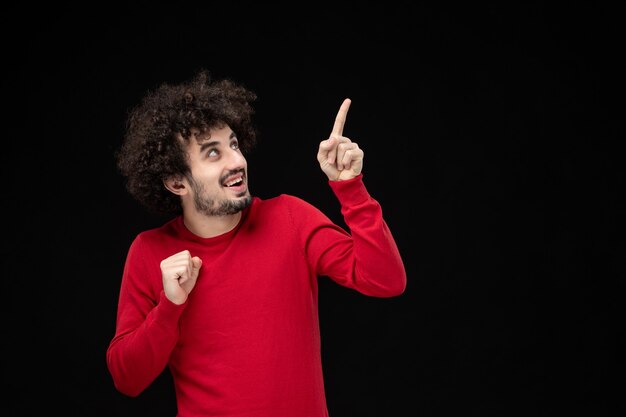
(236, 179)
(234, 182)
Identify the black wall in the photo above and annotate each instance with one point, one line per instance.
(493, 140)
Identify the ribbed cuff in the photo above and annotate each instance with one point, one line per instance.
(350, 191)
(168, 313)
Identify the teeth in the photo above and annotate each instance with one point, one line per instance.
(233, 182)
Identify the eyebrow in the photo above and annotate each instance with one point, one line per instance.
(216, 142)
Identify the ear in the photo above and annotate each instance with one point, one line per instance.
(176, 185)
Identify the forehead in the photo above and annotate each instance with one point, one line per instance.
(213, 134)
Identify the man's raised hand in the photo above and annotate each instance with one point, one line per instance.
(339, 157)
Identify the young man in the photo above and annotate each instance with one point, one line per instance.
(225, 294)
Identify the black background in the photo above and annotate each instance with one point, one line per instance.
(493, 141)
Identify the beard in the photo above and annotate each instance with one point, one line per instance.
(214, 207)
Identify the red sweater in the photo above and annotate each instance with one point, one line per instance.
(246, 342)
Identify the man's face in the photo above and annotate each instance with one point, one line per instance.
(219, 181)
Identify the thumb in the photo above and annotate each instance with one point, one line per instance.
(327, 144)
(197, 263)
(327, 151)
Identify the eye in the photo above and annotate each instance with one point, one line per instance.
(234, 145)
(212, 153)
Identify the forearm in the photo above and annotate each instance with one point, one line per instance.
(136, 356)
(378, 265)
(368, 260)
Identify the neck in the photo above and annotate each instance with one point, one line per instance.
(210, 226)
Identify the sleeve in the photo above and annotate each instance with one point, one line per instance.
(367, 258)
(146, 327)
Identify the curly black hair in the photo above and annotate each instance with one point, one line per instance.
(151, 151)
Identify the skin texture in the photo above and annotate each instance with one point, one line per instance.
(211, 207)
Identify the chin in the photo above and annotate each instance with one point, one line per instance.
(236, 205)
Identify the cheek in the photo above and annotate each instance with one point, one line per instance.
(207, 174)
(206, 181)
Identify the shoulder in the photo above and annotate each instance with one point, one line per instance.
(287, 216)
(285, 202)
(156, 234)
(285, 207)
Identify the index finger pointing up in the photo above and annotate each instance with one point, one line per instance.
(340, 119)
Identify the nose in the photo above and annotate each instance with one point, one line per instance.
(236, 160)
